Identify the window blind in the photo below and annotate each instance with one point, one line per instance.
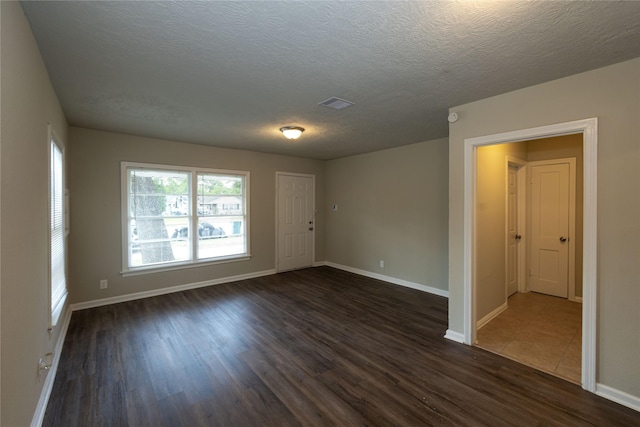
(58, 281)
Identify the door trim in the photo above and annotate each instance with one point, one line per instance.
(589, 129)
(313, 210)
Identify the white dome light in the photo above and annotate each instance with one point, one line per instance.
(292, 132)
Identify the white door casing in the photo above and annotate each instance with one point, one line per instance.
(295, 221)
(552, 224)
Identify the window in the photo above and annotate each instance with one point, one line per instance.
(176, 217)
(57, 257)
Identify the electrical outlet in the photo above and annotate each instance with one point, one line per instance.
(45, 362)
(103, 284)
(381, 263)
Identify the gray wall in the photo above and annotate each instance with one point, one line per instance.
(613, 95)
(28, 105)
(392, 206)
(94, 184)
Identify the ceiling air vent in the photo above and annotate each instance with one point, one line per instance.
(336, 103)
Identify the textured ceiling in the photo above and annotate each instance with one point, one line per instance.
(230, 74)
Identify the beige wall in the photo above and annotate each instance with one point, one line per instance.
(392, 206)
(28, 105)
(94, 184)
(612, 94)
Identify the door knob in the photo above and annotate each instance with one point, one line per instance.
(310, 228)
(563, 239)
(518, 236)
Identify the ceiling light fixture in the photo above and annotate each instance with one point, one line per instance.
(292, 132)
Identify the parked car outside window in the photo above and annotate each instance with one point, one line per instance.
(205, 231)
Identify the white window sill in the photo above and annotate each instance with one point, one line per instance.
(162, 268)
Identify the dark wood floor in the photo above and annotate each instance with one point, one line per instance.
(313, 347)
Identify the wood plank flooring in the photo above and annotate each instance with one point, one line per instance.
(314, 347)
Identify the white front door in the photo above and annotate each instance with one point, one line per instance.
(551, 226)
(295, 221)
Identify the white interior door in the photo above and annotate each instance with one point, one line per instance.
(295, 221)
(551, 226)
(513, 238)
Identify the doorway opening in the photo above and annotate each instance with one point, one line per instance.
(474, 273)
(538, 321)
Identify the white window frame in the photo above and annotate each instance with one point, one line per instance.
(57, 294)
(128, 270)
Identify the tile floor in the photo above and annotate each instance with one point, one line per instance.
(538, 330)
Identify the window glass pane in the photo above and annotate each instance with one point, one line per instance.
(58, 285)
(220, 195)
(221, 215)
(159, 207)
(221, 237)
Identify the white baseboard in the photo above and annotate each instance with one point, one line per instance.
(454, 336)
(618, 396)
(169, 290)
(393, 280)
(41, 408)
(489, 317)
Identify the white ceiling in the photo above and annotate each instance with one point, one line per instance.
(231, 73)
